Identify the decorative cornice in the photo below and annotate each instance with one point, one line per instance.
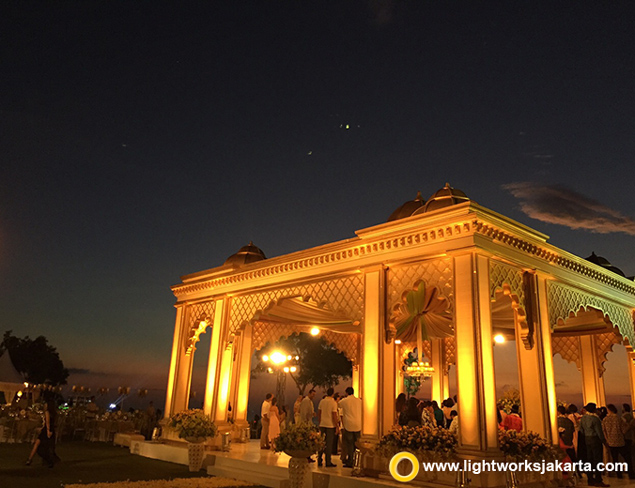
(552, 257)
(382, 246)
(358, 248)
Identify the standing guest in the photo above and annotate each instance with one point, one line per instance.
(46, 446)
(410, 416)
(454, 422)
(446, 406)
(264, 415)
(614, 428)
(284, 418)
(566, 431)
(439, 418)
(513, 420)
(336, 397)
(629, 437)
(591, 429)
(427, 415)
(274, 421)
(296, 409)
(307, 412)
(328, 422)
(351, 408)
(400, 405)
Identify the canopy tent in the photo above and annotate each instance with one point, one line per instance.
(10, 380)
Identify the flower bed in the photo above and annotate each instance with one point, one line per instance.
(193, 424)
(299, 437)
(428, 444)
(208, 482)
(519, 446)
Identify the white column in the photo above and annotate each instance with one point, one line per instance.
(535, 366)
(592, 382)
(630, 362)
(243, 376)
(178, 390)
(212, 365)
(371, 350)
(478, 425)
(440, 378)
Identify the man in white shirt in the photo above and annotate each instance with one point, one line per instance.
(307, 410)
(351, 408)
(264, 414)
(329, 426)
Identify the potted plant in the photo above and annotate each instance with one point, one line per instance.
(195, 427)
(299, 441)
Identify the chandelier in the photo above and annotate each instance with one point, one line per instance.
(420, 369)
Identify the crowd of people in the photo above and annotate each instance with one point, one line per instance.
(412, 412)
(598, 435)
(339, 418)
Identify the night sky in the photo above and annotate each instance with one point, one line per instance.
(141, 141)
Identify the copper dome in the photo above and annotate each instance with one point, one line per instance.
(246, 255)
(601, 261)
(408, 208)
(445, 197)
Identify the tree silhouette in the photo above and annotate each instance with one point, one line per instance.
(35, 358)
(320, 364)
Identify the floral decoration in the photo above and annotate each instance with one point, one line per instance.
(423, 441)
(193, 424)
(526, 445)
(299, 437)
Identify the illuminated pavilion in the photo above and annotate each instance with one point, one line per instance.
(482, 273)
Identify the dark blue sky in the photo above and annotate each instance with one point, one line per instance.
(140, 141)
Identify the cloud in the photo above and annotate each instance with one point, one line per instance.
(557, 204)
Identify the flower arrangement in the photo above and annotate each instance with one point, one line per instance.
(299, 437)
(193, 424)
(510, 398)
(425, 442)
(526, 445)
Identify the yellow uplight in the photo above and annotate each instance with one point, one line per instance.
(315, 331)
(19, 394)
(265, 358)
(397, 341)
(499, 339)
(278, 358)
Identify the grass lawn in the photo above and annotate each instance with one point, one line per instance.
(82, 462)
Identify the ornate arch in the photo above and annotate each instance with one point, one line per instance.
(344, 296)
(518, 285)
(199, 317)
(563, 300)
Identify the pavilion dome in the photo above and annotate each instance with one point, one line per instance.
(408, 208)
(246, 255)
(445, 197)
(602, 261)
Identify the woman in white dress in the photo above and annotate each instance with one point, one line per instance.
(274, 421)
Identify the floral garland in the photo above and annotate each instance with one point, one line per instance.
(193, 424)
(526, 445)
(299, 437)
(425, 442)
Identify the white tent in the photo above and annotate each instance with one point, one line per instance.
(10, 380)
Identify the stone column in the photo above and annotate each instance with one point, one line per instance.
(213, 363)
(243, 376)
(535, 365)
(371, 361)
(630, 362)
(478, 425)
(440, 385)
(592, 382)
(178, 389)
